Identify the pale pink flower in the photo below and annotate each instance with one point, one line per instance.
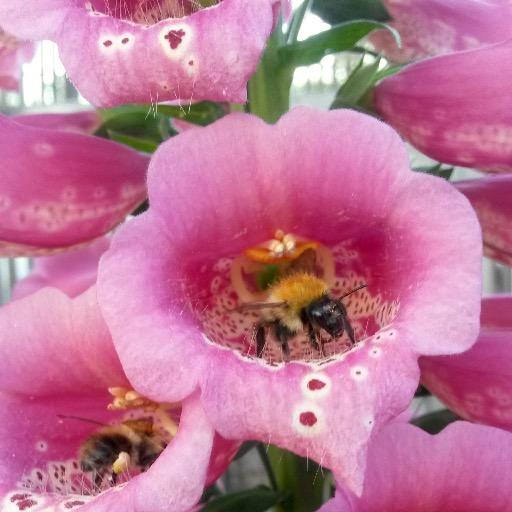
(13, 54)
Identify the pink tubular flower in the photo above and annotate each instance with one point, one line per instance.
(150, 50)
(176, 281)
(433, 27)
(464, 468)
(490, 197)
(13, 54)
(477, 384)
(86, 122)
(452, 107)
(56, 371)
(63, 189)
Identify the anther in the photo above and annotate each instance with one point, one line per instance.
(122, 463)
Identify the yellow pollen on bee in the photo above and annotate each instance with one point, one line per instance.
(122, 463)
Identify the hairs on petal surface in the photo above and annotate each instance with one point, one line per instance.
(63, 189)
(433, 27)
(476, 384)
(465, 467)
(490, 197)
(180, 298)
(452, 107)
(141, 52)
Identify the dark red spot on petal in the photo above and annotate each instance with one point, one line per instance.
(107, 43)
(72, 504)
(25, 504)
(18, 497)
(308, 419)
(125, 40)
(190, 62)
(315, 384)
(175, 38)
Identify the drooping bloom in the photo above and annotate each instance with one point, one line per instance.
(434, 27)
(13, 54)
(491, 199)
(464, 468)
(177, 285)
(61, 189)
(57, 364)
(150, 50)
(477, 384)
(453, 108)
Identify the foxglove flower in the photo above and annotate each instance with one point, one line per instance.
(452, 107)
(433, 27)
(176, 281)
(86, 121)
(65, 349)
(490, 197)
(477, 384)
(13, 54)
(465, 467)
(150, 50)
(62, 189)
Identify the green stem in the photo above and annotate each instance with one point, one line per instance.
(297, 20)
(262, 451)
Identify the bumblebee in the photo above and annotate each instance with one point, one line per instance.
(114, 449)
(298, 302)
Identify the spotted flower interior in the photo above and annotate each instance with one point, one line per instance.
(233, 298)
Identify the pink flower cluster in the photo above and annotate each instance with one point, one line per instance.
(161, 334)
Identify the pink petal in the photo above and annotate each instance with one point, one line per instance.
(433, 27)
(72, 272)
(87, 121)
(13, 54)
(452, 107)
(63, 189)
(477, 384)
(207, 55)
(490, 197)
(175, 292)
(464, 468)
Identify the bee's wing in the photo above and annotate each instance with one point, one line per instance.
(141, 425)
(260, 305)
(306, 262)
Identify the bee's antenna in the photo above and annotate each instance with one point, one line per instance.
(86, 420)
(353, 291)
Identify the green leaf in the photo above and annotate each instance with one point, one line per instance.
(437, 170)
(357, 85)
(338, 11)
(148, 146)
(339, 38)
(434, 422)
(258, 499)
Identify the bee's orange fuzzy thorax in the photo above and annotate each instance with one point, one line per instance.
(298, 290)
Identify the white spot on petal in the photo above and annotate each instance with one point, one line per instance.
(43, 149)
(359, 373)
(308, 419)
(175, 39)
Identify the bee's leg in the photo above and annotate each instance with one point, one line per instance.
(98, 479)
(312, 334)
(260, 339)
(283, 334)
(349, 330)
(113, 478)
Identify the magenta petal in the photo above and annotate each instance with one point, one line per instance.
(477, 384)
(166, 291)
(491, 199)
(87, 121)
(464, 468)
(72, 272)
(452, 107)
(207, 55)
(433, 27)
(63, 189)
(13, 54)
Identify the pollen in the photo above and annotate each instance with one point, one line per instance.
(299, 290)
(122, 463)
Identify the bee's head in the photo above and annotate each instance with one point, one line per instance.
(327, 314)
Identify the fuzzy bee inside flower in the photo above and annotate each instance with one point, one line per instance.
(74, 434)
(233, 283)
(146, 51)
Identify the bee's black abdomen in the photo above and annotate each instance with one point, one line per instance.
(103, 450)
